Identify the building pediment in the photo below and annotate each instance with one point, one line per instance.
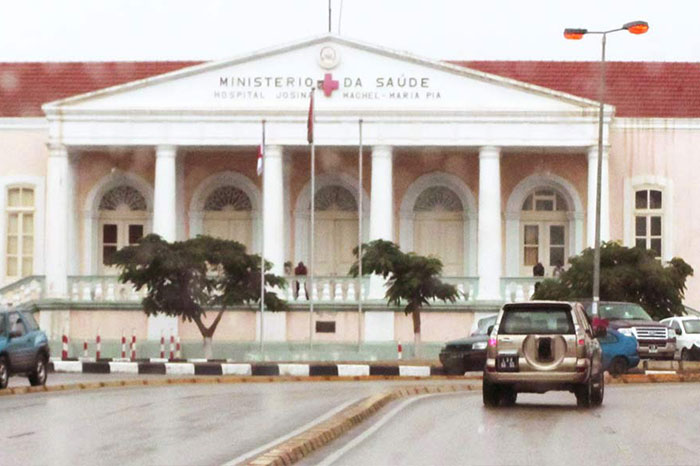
(359, 79)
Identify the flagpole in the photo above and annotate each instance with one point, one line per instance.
(359, 243)
(262, 249)
(312, 268)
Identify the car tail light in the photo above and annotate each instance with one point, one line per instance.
(492, 342)
(581, 342)
(581, 368)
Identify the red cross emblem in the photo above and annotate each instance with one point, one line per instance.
(328, 84)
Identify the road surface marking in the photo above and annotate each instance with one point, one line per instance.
(294, 433)
(333, 457)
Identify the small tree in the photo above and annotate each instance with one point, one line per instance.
(184, 278)
(412, 279)
(626, 274)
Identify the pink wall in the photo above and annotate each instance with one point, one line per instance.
(672, 154)
(24, 152)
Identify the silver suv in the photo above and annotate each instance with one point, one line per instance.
(538, 346)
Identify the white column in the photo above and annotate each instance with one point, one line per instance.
(489, 257)
(180, 199)
(165, 194)
(58, 186)
(273, 235)
(381, 217)
(273, 208)
(379, 326)
(164, 223)
(604, 197)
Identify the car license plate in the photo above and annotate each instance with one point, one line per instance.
(507, 363)
(653, 349)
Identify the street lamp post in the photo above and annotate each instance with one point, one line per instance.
(634, 27)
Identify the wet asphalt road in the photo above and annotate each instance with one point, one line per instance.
(164, 425)
(637, 425)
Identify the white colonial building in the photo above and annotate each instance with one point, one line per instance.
(489, 166)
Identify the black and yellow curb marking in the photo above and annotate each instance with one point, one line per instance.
(296, 448)
(212, 380)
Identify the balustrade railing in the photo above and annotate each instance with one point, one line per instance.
(24, 290)
(518, 288)
(466, 286)
(98, 288)
(326, 289)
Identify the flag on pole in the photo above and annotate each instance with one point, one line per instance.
(260, 159)
(310, 122)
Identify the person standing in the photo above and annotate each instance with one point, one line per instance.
(300, 270)
(538, 270)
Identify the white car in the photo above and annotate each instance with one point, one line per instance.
(687, 335)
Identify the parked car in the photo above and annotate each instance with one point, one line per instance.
(24, 349)
(656, 340)
(469, 353)
(538, 346)
(619, 352)
(687, 336)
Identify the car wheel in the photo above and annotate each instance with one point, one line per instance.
(4, 373)
(491, 394)
(598, 390)
(685, 355)
(618, 366)
(509, 396)
(583, 394)
(38, 375)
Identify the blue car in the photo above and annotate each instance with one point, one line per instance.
(619, 352)
(24, 349)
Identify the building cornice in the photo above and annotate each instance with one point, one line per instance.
(22, 123)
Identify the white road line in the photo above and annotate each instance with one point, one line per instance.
(333, 457)
(284, 438)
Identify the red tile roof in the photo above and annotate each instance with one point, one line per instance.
(24, 87)
(637, 89)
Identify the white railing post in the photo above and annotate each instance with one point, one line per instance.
(338, 292)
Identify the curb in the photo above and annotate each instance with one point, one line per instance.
(201, 367)
(296, 448)
(213, 380)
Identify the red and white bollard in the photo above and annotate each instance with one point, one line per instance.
(64, 346)
(85, 349)
(123, 345)
(133, 344)
(98, 345)
(177, 347)
(172, 346)
(162, 344)
(400, 350)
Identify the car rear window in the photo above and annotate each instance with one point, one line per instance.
(542, 321)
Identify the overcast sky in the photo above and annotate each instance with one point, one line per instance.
(42, 30)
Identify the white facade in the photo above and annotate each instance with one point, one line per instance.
(453, 156)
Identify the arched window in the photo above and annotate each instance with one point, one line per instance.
(20, 231)
(227, 215)
(544, 231)
(122, 218)
(335, 230)
(439, 228)
(648, 220)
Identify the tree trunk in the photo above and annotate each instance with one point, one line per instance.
(417, 349)
(208, 351)
(208, 333)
